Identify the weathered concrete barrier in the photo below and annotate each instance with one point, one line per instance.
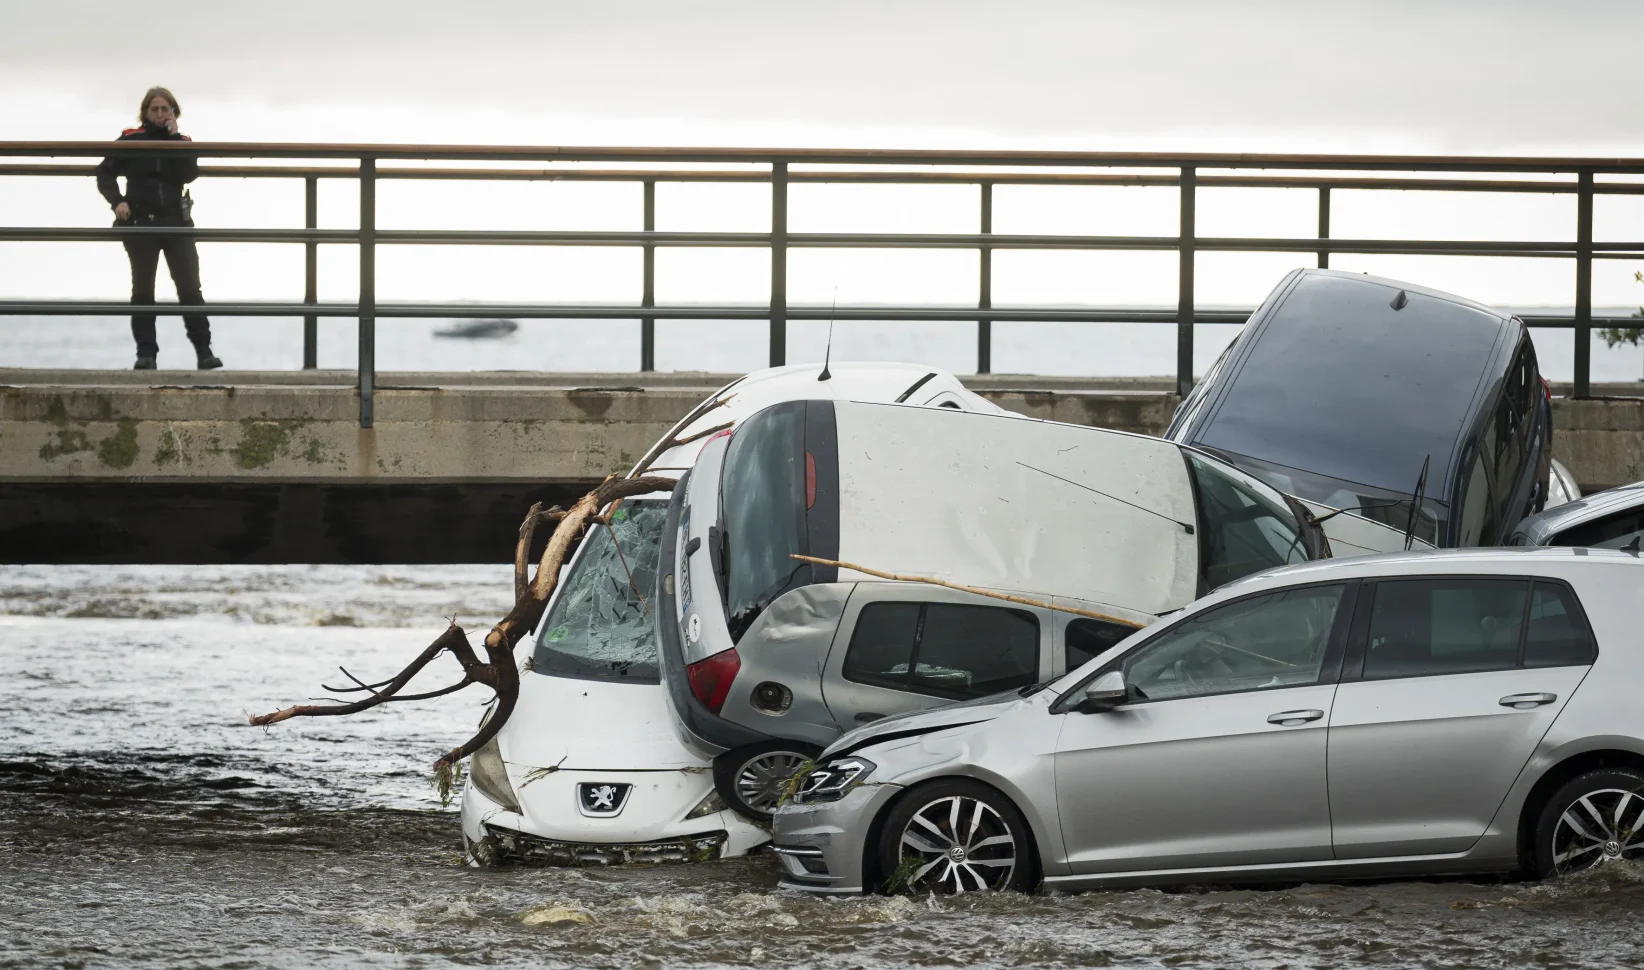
(189, 467)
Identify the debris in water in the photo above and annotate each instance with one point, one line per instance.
(554, 913)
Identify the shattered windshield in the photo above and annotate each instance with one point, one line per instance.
(602, 625)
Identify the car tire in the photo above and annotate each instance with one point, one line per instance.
(1595, 818)
(918, 842)
(753, 779)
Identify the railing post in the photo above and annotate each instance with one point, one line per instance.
(647, 298)
(311, 273)
(779, 264)
(1184, 287)
(368, 287)
(1584, 285)
(984, 300)
(1324, 224)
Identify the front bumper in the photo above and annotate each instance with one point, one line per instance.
(822, 846)
(550, 828)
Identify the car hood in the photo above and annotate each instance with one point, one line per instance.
(564, 722)
(915, 723)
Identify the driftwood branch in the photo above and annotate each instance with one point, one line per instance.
(1009, 598)
(498, 670)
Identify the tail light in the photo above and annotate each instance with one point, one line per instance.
(810, 480)
(1547, 389)
(711, 678)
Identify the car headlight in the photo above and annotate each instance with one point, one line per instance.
(832, 781)
(709, 805)
(491, 776)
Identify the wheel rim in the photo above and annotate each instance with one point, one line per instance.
(762, 780)
(957, 845)
(1597, 828)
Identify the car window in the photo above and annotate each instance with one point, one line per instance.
(1086, 639)
(1556, 635)
(1245, 531)
(944, 649)
(1611, 532)
(1423, 627)
(762, 490)
(1264, 642)
(601, 627)
(1478, 511)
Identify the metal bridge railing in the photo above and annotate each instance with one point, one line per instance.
(781, 168)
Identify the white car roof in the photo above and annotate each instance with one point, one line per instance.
(916, 384)
(964, 498)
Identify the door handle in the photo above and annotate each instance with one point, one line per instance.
(1292, 718)
(1526, 702)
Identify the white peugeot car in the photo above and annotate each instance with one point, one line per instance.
(590, 768)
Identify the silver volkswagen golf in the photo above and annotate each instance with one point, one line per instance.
(1480, 711)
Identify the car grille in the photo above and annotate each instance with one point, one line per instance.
(509, 846)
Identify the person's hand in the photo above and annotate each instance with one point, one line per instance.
(171, 125)
(122, 212)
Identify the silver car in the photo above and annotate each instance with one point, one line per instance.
(1611, 519)
(1450, 690)
(768, 659)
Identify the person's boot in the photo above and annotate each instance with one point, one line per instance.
(207, 360)
(144, 363)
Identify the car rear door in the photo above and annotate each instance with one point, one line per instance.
(1450, 683)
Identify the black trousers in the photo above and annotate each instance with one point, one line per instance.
(183, 261)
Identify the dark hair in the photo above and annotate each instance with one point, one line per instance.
(157, 92)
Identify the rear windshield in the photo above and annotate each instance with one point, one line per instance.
(1344, 386)
(762, 495)
(602, 626)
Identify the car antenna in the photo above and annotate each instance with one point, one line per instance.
(1415, 503)
(827, 354)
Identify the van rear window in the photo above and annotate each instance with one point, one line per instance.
(762, 497)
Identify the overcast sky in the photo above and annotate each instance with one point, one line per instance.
(1438, 75)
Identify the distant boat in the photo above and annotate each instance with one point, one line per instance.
(479, 329)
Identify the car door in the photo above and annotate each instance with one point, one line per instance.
(1218, 758)
(904, 647)
(1450, 684)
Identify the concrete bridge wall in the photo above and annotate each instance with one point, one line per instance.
(179, 467)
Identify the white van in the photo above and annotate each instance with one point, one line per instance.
(589, 767)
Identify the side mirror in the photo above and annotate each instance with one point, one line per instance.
(1104, 694)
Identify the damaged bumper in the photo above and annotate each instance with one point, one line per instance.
(822, 846)
(586, 817)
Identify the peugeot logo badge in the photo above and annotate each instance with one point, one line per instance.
(602, 799)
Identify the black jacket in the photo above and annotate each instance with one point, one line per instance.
(154, 182)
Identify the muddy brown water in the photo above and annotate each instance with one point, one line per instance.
(143, 824)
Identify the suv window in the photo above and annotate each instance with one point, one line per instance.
(1086, 639)
(1425, 627)
(1264, 642)
(1478, 508)
(944, 649)
(1244, 530)
(1556, 636)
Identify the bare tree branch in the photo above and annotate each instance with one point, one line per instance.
(498, 670)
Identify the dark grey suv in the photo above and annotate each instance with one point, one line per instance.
(1343, 387)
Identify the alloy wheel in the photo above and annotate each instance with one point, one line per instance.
(763, 779)
(957, 844)
(1599, 827)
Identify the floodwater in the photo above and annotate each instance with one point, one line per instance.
(143, 823)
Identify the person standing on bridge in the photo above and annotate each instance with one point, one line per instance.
(154, 197)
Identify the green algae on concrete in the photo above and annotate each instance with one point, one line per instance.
(263, 441)
(119, 450)
(167, 452)
(65, 441)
